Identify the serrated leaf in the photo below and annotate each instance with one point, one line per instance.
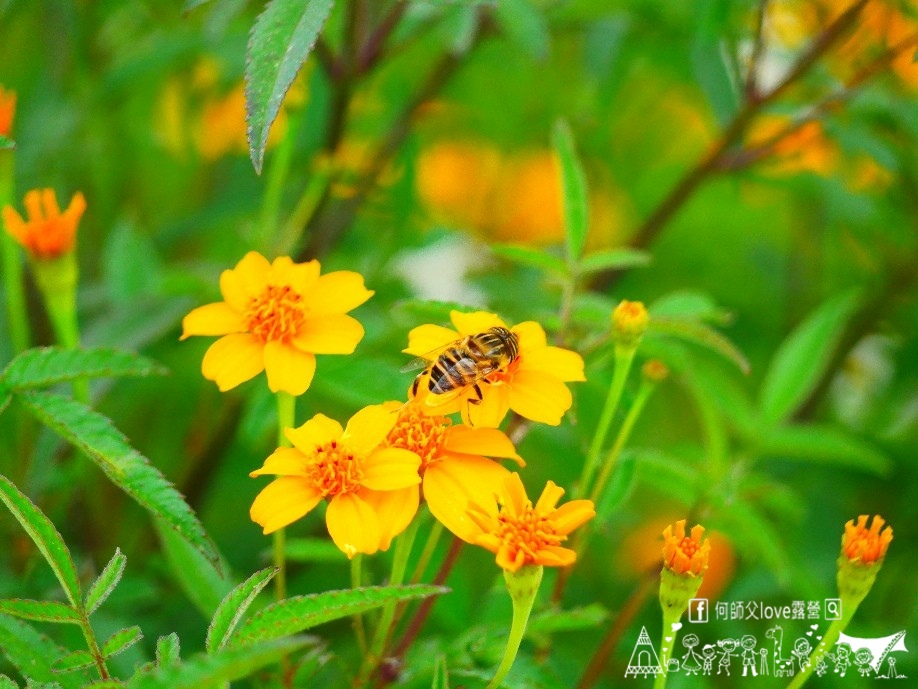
(803, 357)
(46, 538)
(299, 613)
(204, 584)
(574, 192)
(234, 606)
(106, 582)
(40, 610)
(525, 25)
(533, 258)
(77, 660)
(121, 640)
(29, 652)
(105, 684)
(613, 259)
(281, 40)
(823, 445)
(168, 650)
(226, 665)
(32, 684)
(312, 550)
(551, 621)
(700, 334)
(7, 683)
(44, 366)
(95, 435)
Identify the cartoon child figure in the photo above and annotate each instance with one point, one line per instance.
(841, 658)
(749, 654)
(821, 667)
(728, 650)
(862, 659)
(691, 662)
(707, 654)
(801, 652)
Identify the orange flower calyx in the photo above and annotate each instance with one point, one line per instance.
(685, 554)
(48, 233)
(866, 546)
(522, 534)
(629, 323)
(7, 111)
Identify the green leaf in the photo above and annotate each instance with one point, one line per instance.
(40, 610)
(106, 684)
(670, 475)
(525, 25)
(613, 259)
(203, 583)
(106, 582)
(29, 652)
(823, 445)
(45, 536)
(95, 435)
(803, 357)
(708, 57)
(78, 660)
(121, 640)
(759, 536)
(689, 305)
(7, 683)
(168, 650)
(551, 621)
(700, 334)
(44, 366)
(5, 397)
(192, 4)
(618, 488)
(296, 614)
(573, 185)
(312, 550)
(280, 42)
(226, 665)
(233, 607)
(534, 258)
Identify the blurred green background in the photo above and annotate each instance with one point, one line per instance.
(139, 106)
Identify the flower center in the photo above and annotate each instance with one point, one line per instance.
(689, 547)
(528, 532)
(418, 433)
(276, 314)
(506, 375)
(334, 470)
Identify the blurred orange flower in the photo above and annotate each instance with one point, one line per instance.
(48, 233)
(276, 317)
(685, 554)
(522, 534)
(805, 149)
(223, 126)
(7, 111)
(370, 487)
(866, 546)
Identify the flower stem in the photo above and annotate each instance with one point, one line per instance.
(286, 418)
(523, 586)
(436, 530)
(16, 314)
(93, 645)
(623, 359)
(828, 641)
(357, 620)
(670, 622)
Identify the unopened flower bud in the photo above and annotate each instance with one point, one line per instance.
(629, 323)
(861, 557)
(655, 371)
(685, 558)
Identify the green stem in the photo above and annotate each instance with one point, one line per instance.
(93, 645)
(436, 530)
(16, 313)
(828, 641)
(302, 213)
(643, 394)
(670, 620)
(276, 177)
(523, 586)
(286, 418)
(357, 620)
(623, 359)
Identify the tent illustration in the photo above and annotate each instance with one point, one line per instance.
(879, 647)
(644, 660)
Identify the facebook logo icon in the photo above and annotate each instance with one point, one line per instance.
(698, 610)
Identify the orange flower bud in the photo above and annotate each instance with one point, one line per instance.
(7, 111)
(864, 546)
(655, 371)
(48, 233)
(629, 323)
(685, 554)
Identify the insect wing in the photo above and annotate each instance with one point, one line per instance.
(424, 361)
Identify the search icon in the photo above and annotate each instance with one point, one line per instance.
(833, 608)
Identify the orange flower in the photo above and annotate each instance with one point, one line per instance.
(629, 323)
(223, 126)
(454, 467)
(521, 534)
(7, 110)
(863, 546)
(532, 385)
(685, 554)
(805, 149)
(48, 233)
(370, 488)
(276, 317)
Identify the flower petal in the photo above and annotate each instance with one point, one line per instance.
(451, 485)
(475, 322)
(530, 334)
(282, 502)
(513, 496)
(246, 280)
(571, 515)
(539, 397)
(213, 319)
(428, 339)
(549, 498)
(562, 364)
(15, 225)
(319, 430)
(489, 442)
(492, 409)
(300, 276)
(391, 468)
(353, 525)
(233, 359)
(555, 556)
(394, 508)
(330, 334)
(289, 369)
(284, 461)
(369, 427)
(337, 292)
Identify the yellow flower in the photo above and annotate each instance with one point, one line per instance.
(532, 385)
(863, 546)
(685, 554)
(629, 323)
(520, 534)
(223, 126)
(276, 317)
(370, 488)
(454, 467)
(48, 233)
(7, 111)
